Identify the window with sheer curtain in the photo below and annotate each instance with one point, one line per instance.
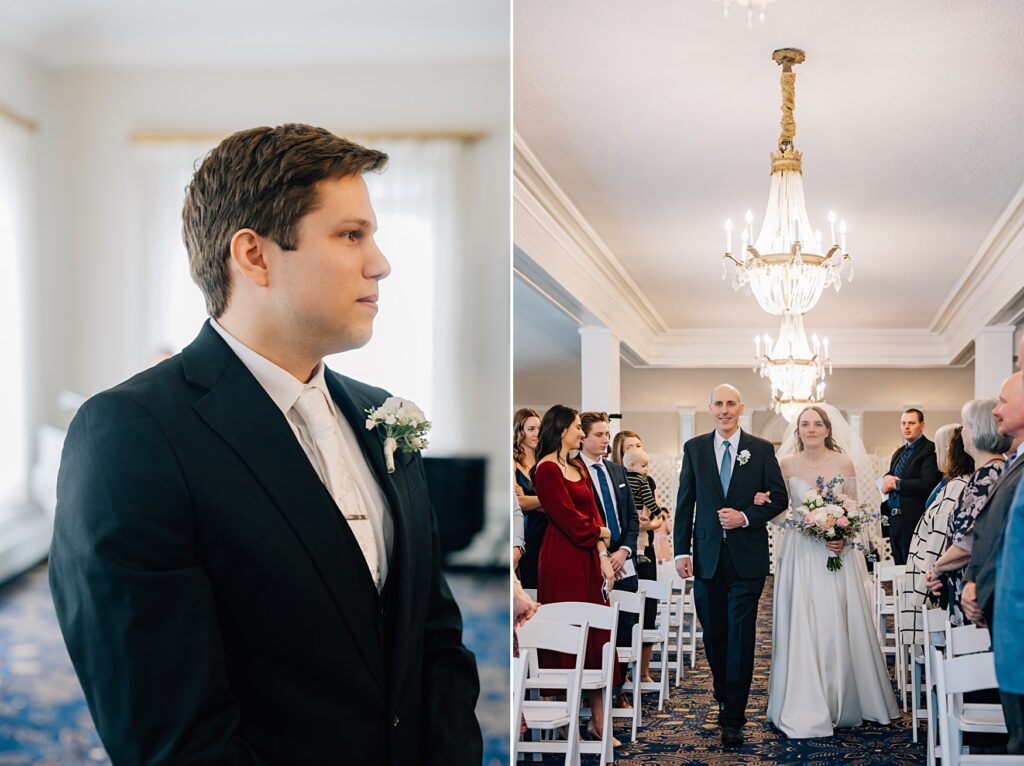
(15, 216)
(415, 199)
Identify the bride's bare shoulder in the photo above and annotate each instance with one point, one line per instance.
(846, 467)
(787, 464)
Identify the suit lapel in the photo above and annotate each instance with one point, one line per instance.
(736, 479)
(238, 409)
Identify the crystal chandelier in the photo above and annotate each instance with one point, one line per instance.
(795, 367)
(787, 266)
(749, 5)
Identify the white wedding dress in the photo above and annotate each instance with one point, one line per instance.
(827, 669)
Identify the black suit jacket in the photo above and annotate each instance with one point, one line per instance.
(216, 605)
(988, 534)
(629, 521)
(700, 490)
(920, 477)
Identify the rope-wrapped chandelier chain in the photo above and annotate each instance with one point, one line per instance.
(788, 133)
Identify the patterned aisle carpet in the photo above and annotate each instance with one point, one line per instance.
(685, 734)
(44, 720)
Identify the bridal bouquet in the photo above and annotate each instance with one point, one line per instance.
(830, 515)
(401, 424)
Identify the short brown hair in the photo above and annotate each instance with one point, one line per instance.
(262, 179)
(587, 420)
(916, 411)
(617, 442)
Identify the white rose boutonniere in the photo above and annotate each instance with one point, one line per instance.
(401, 424)
(743, 457)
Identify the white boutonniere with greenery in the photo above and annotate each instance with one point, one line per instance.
(743, 457)
(401, 424)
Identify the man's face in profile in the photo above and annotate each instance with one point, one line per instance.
(329, 284)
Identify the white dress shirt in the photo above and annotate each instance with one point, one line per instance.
(284, 389)
(598, 465)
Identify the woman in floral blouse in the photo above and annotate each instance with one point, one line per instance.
(986, 445)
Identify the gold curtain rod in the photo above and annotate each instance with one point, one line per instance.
(17, 119)
(466, 136)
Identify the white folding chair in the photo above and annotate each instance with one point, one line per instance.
(953, 677)
(598, 617)
(676, 625)
(519, 668)
(966, 639)
(885, 609)
(658, 637)
(631, 603)
(551, 715)
(933, 627)
(902, 648)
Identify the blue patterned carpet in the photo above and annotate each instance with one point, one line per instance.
(685, 734)
(44, 720)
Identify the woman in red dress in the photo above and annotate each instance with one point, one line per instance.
(573, 562)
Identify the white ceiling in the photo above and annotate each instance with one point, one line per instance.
(656, 118)
(193, 33)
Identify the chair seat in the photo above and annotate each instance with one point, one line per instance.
(652, 637)
(545, 714)
(983, 718)
(624, 653)
(592, 679)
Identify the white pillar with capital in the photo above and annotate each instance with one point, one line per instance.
(856, 419)
(687, 425)
(993, 359)
(599, 360)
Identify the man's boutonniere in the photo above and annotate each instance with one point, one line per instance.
(743, 457)
(401, 424)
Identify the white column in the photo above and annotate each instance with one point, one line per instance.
(993, 359)
(599, 360)
(687, 425)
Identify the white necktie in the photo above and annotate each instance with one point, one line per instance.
(326, 435)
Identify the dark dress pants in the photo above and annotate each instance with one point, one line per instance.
(901, 533)
(727, 608)
(624, 634)
(1013, 711)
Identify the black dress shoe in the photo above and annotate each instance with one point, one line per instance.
(731, 736)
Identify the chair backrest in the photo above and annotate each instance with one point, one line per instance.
(658, 589)
(968, 673)
(629, 602)
(966, 639)
(552, 636)
(598, 616)
(935, 622)
(519, 667)
(888, 572)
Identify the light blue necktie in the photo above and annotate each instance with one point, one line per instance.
(725, 472)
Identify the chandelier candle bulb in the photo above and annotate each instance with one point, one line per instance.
(832, 226)
(842, 236)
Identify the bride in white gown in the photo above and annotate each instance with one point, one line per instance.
(827, 670)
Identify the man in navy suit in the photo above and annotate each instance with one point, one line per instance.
(238, 577)
(722, 542)
(612, 489)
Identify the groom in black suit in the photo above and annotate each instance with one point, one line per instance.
(724, 546)
(238, 578)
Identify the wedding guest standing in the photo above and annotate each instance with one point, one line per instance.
(978, 596)
(574, 562)
(1008, 631)
(912, 476)
(624, 440)
(525, 432)
(985, 445)
(930, 535)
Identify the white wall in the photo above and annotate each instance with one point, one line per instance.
(90, 273)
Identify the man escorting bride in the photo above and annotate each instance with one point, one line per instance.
(730, 486)
(827, 668)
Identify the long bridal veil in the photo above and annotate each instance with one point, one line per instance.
(851, 444)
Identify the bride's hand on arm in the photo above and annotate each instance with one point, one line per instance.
(762, 498)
